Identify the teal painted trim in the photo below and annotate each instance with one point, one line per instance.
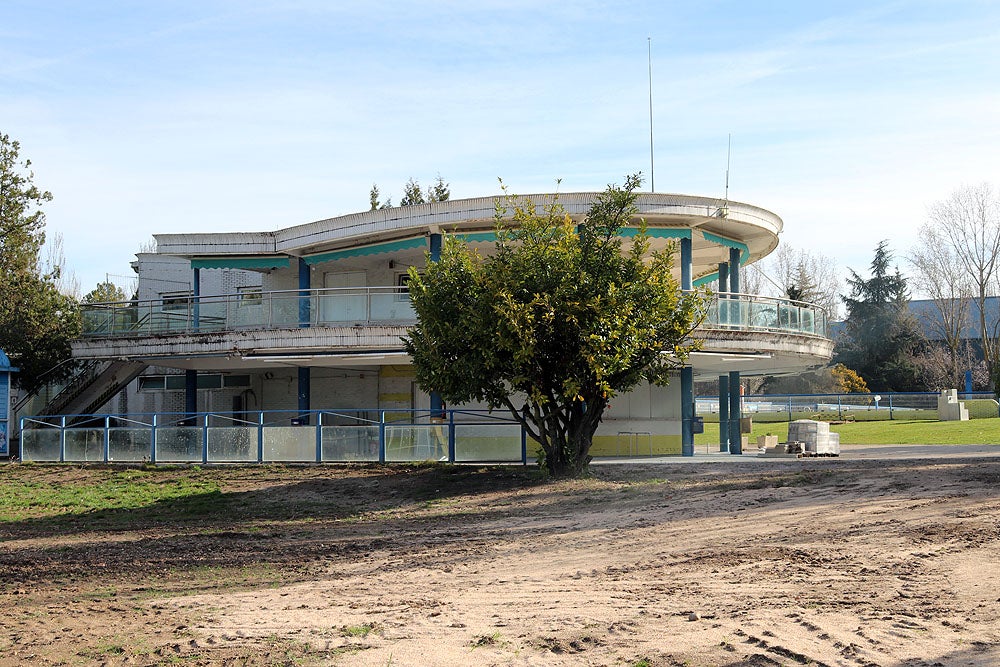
(242, 263)
(704, 280)
(657, 233)
(473, 237)
(362, 251)
(729, 243)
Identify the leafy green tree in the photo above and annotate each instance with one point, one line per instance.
(412, 194)
(556, 322)
(106, 292)
(439, 191)
(881, 338)
(376, 203)
(37, 321)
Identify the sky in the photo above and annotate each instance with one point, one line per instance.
(847, 119)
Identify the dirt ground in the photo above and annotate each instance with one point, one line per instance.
(829, 562)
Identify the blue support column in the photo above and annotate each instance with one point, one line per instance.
(723, 413)
(195, 299)
(685, 264)
(305, 284)
(735, 437)
(304, 395)
(305, 318)
(191, 393)
(734, 270)
(736, 308)
(687, 411)
(723, 287)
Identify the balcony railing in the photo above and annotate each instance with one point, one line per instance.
(751, 312)
(380, 305)
(249, 310)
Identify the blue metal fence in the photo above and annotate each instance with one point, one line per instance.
(317, 436)
(848, 407)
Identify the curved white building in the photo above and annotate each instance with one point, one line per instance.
(232, 329)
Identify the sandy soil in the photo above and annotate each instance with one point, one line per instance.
(832, 562)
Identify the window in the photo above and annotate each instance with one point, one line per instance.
(176, 300)
(249, 296)
(179, 382)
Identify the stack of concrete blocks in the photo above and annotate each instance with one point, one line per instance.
(815, 437)
(950, 409)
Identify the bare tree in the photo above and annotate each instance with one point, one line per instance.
(940, 275)
(802, 275)
(968, 223)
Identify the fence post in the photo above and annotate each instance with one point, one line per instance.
(319, 437)
(152, 441)
(840, 408)
(260, 437)
(107, 437)
(62, 440)
(381, 436)
(789, 408)
(204, 439)
(890, 406)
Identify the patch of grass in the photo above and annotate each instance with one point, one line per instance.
(34, 496)
(486, 640)
(359, 631)
(888, 432)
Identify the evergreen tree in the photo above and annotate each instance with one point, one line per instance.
(37, 321)
(880, 338)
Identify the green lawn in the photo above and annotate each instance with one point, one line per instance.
(895, 432)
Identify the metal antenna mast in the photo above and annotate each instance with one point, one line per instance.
(652, 177)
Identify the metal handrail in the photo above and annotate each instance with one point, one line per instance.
(369, 305)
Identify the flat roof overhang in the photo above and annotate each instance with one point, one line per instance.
(714, 225)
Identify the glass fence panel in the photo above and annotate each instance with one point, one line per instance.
(232, 444)
(487, 442)
(84, 445)
(390, 307)
(350, 443)
(290, 443)
(343, 307)
(212, 316)
(416, 442)
(763, 315)
(40, 444)
(247, 315)
(179, 444)
(129, 445)
(285, 310)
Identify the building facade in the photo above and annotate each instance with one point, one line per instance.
(286, 345)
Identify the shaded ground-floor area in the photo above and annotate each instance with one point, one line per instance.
(854, 561)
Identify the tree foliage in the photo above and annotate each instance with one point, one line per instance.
(412, 194)
(37, 321)
(557, 321)
(106, 292)
(880, 337)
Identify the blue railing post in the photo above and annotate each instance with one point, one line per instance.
(319, 437)
(152, 441)
(840, 407)
(381, 436)
(890, 406)
(107, 438)
(789, 408)
(260, 437)
(204, 439)
(62, 440)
